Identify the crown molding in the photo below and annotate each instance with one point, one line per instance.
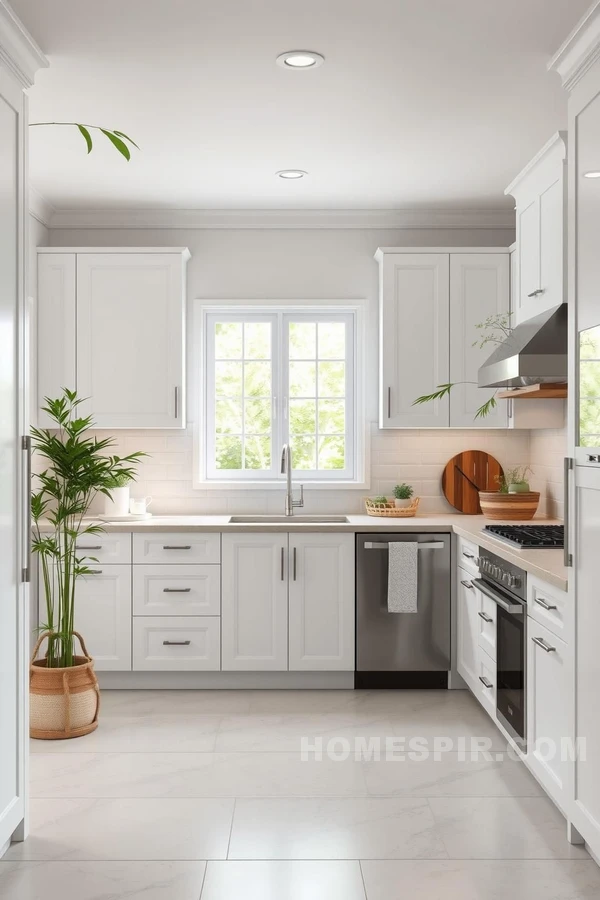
(18, 51)
(40, 208)
(284, 218)
(580, 50)
(556, 148)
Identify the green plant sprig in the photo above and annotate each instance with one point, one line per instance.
(443, 390)
(117, 138)
(403, 491)
(78, 470)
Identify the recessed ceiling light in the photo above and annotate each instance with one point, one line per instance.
(291, 173)
(591, 174)
(300, 59)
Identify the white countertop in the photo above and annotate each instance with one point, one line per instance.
(545, 564)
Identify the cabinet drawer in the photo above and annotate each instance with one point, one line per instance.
(176, 590)
(487, 683)
(177, 644)
(105, 548)
(487, 626)
(168, 548)
(547, 605)
(467, 554)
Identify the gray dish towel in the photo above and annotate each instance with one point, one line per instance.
(402, 576)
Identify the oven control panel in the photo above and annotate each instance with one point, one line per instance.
(503, 572)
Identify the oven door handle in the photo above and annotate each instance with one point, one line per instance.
(515, 609)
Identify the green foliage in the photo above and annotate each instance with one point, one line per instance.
(441, 391)
(486, 408)
(518, 475)
(403, 491)
(589, 387)
(379, 501)
(117, 138)
(495, 329)
(77, 470)
(119, 481)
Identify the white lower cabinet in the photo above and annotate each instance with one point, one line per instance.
(486, 677)
(254, 602)
(176, 644)
(321, 602)
(176, 590)
(548, 708)
(103, 616)
(467, 629)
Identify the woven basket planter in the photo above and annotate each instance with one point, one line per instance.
(63, 703)
(507, 507)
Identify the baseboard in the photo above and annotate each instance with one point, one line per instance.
(401, 680)
(225, 681)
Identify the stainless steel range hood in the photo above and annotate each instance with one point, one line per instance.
(535, 352)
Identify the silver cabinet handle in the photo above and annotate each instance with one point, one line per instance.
(543, 603)
(176, 643)
(282, 563)
(468, 555)
(485, 682)
(95, 547)
(383, 545)
(535, 293)
(176, 590)
(294, 555)
(485, 617)
(26, 568)
(468, 584)
(542, 643)
(176, 402)
(389, 403)
(568, 466)
(94, 572)
(177, 546)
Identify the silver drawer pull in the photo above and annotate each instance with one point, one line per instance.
(96, 547)
(543, 603)
(177, 546)
(542, 643)
(94, 572)
(176, 590)
(485, 617)
(536, 293)
(468, 555)
(468, 584)
(485, 682)
(383, 545)
(176, 643)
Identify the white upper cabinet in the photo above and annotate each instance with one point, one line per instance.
(321, 602)
(479, 288)
(414, 348)
(120, 314)
(540, 193)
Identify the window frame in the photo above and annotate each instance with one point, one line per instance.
(280, 313)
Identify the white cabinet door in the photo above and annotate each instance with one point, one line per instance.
(103, 616)
(321, 607)
(130, 338)
(479, 288)
(467, 630)
(56, 325)
(414, 345)
(549, 695)
(528, 260)
(254, 602)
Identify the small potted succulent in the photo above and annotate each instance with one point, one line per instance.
(116, 500)
(403, 495)
(379, 501)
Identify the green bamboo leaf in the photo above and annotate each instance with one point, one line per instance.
(118, 143)
(442, 390)
(123, 135)
(87, 136)
(486, 408)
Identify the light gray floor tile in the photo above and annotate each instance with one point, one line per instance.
(141, 734)
(283, 880)
(285, 732)
(481, 879)
(126, 830)
(449, 776)
(101, 880)
(334, 829)
(85, 775)
(503, 828)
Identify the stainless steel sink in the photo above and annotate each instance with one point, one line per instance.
(288, 520)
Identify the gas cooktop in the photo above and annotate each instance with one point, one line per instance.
(529, 537)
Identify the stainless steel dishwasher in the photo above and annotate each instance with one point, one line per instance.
(399, 650)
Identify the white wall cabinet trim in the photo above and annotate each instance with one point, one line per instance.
(177, 644)
(321, 602)
(176, 590)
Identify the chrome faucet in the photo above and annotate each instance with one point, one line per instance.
(286, 469)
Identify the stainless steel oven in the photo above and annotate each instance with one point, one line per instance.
(506, 585)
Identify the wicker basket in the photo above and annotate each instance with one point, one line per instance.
(507, 507)
(390, 510)
(63, 702)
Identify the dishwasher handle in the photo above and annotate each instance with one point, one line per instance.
(383, 545)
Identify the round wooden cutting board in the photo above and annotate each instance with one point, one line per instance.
(465, 475)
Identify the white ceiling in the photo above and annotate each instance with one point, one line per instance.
(419, 102)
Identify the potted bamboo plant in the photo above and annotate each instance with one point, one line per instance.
(63, 687)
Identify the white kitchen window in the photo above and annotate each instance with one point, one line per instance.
(274, 377)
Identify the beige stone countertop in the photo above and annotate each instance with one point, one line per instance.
(544, 564)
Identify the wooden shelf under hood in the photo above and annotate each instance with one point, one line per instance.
(546, 391)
